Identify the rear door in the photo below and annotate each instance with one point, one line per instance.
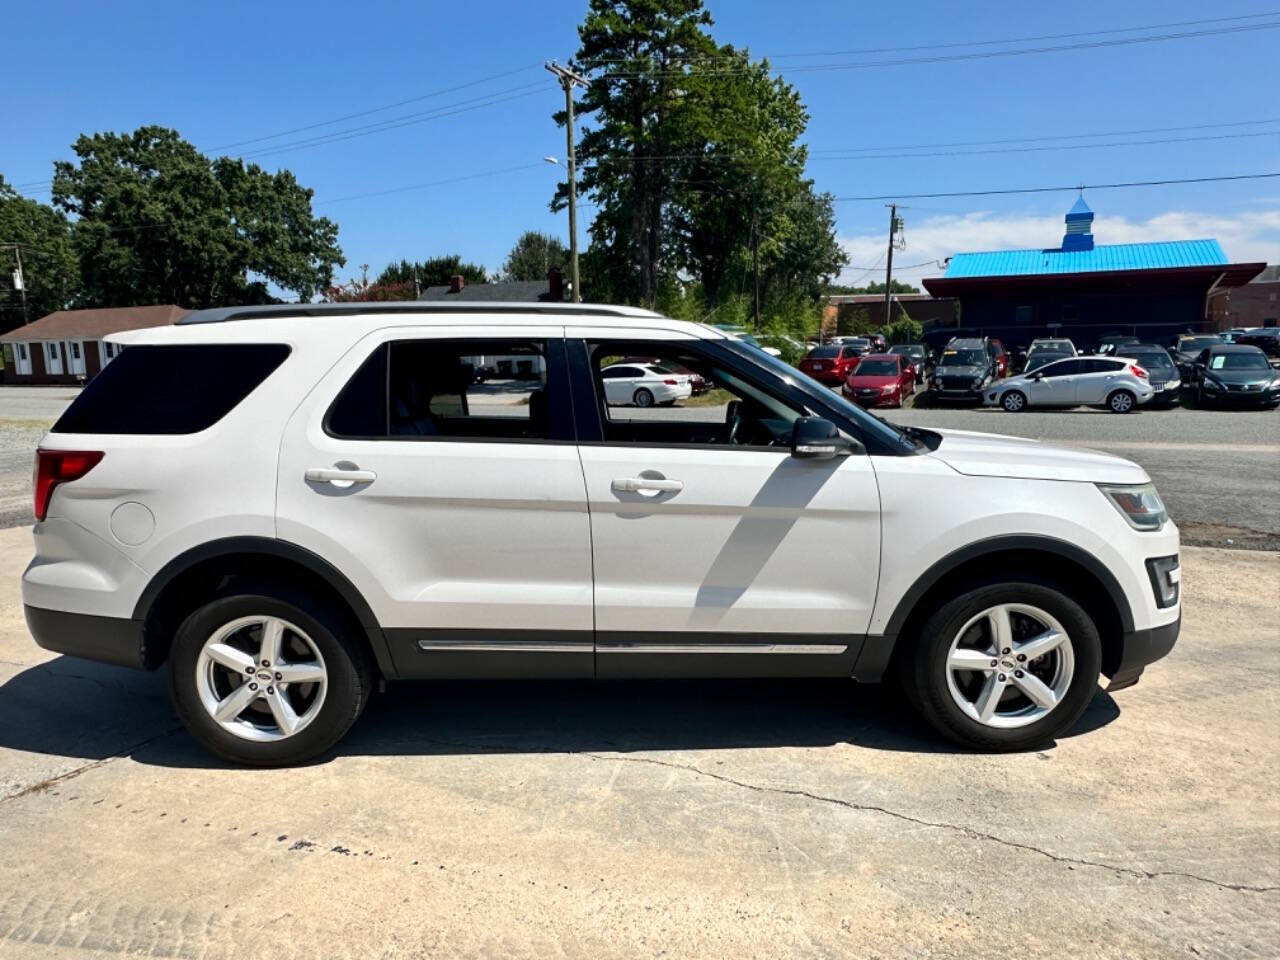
(1097, 379)
(716, 552)
(456, 507)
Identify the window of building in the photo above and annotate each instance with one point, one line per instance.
(447, 389)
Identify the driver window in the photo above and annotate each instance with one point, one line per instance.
(1063, 368)
(664, 392)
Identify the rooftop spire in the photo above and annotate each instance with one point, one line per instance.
(1079, 235)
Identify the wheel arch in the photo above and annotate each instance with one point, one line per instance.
(1085, 577)
(198, 573)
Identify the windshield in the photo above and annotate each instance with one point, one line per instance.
(876, 368)
(1151, 359)
(858, 344)
(1238, 361)
(1058, 346)
(870, 424)
(963, 358)
(1192, 344)
(822, 352)
(1044, 357)
(907, 351)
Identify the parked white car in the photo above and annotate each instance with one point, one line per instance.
(643, 385)
(287, 505)
(1120, 384)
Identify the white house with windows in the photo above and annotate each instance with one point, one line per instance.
(69, 346)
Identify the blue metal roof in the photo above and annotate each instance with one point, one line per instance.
(1104, 257)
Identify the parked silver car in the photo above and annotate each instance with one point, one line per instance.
(1118, 383)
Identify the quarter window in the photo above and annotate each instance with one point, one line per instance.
(447, 389)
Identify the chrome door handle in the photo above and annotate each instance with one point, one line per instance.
(339, 475)
(646, 485)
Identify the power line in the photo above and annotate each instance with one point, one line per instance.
(1055, 147)
(1060, 136)
(373, 110)
(1074, 186)
(432, 183)
(972, 43)
(957, 57)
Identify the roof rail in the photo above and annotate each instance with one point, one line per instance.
(282, 310)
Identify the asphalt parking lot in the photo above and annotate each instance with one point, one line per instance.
(695, 819)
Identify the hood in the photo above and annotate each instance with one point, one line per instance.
(1257, 375)
(878, 380)
(993, 455)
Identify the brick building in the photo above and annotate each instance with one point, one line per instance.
(1256, 304)
(68, 346)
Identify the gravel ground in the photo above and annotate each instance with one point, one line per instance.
(662, 819)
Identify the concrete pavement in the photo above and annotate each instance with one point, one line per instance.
(654, 819)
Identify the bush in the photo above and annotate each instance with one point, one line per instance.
(903, 330)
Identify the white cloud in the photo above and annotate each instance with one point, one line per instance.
(1249, 236)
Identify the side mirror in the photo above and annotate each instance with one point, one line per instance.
(1037, 376)
(813, 438)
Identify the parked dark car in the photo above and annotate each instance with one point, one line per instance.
(964, 370)
(919, 357)
(1165, 379)
(878, 343)
(1111, 344)
(1187, 348)
(1237, 374)
(1041, 357)
(1266, 339)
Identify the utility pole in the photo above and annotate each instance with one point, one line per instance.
(755, 266)
(20, 281)
(888, 270)
(568, 79)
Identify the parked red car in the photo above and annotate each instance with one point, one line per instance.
(830, 364)
(881, 379)
(1000, 355)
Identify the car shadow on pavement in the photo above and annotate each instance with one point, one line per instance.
(83, 710)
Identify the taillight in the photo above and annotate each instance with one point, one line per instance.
(59, 466)
(1137, 371)
(671, 383)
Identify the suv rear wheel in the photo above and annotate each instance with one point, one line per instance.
(1006, 666)
(265, 681)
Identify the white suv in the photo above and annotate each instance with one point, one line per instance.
(286, 504)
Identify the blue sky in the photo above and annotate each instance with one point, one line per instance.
(228, 72)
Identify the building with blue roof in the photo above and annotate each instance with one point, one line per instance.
(1086, 290)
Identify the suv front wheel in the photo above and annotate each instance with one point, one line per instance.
(1007, 666)
(266, 681)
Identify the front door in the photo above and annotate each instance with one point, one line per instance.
(456, 507)
(715, 551)
(1057, 384)
(53, 358)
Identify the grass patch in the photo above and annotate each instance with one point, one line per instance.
(715, 397)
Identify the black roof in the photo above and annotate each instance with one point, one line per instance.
(1234, 348)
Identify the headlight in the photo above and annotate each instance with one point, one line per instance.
(977, 383)
(1210, 384)
(888, 388)
(1140, 505)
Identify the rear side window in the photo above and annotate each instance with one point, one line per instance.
(170, 389)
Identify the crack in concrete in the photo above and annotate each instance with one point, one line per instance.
(86, 767)
(905, 817)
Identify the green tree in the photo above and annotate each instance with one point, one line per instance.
(159, 222)
(898, 286)
(432, 272)
(638, 53)
(50, 274)
(533, 255)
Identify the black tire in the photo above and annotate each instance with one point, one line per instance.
(1122, 401)
(642, 397)
(349, 681)
(926, 672)
(1014, 401)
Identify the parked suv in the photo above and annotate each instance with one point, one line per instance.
(287, 505)
(964, 370)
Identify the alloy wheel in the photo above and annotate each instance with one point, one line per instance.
(1010, 665)
(261, 678)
